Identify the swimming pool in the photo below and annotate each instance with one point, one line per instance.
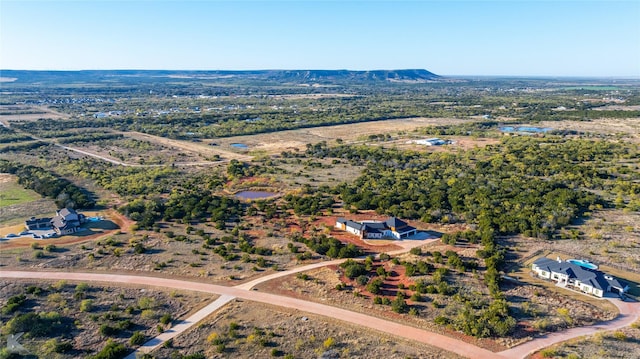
(583, 263)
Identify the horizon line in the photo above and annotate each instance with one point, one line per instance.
(628, 77)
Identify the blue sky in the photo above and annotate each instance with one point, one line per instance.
(514, 38)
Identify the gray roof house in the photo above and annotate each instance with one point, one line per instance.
(587, 280)
(391, 228)
(67, 221)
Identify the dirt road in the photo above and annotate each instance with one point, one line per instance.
(397, 329)
(629, 313)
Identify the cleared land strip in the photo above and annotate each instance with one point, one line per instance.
(397, 329)
(187, 146)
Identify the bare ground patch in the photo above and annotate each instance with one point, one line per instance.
(277, 142)
(629, 127)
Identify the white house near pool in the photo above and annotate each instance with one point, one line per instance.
(393, 228)
(567, 274)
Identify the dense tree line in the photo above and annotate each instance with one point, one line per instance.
(125, 181)
(92, 137)
(329, 246)
(524, 185)
(47, 184)
(8, 135)
(309, 204)
(184, 205)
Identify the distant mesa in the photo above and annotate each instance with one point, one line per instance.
(291, 76)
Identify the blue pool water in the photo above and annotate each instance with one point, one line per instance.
(583, 263)
(525, 129)
(239, 145)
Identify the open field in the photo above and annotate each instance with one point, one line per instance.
(296, 140)
(628, 128)
(10, 113)
(208, 152)
(11, 193)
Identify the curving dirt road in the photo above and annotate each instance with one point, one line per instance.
(397, 329)
(629, 313)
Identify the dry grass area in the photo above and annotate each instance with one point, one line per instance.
(183, 255)
(292, 140)
(317, 172)
(201, 148)
(134, 151)
(126, 309)
(28, 113)
(609, 238)
(254, 330)
(16, 214)
(628, 127)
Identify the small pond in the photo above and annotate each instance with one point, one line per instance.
(528, 129)
(239, 145)
(247, 195)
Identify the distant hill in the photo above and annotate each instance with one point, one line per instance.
(286, 76)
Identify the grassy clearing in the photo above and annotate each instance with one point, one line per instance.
(12, 193)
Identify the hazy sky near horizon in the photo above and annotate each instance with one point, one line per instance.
(513, 38)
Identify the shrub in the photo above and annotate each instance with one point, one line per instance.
(146, 303)
(329, 343)
(148, 314)
(86, 305)
(54, 346)
(620, 336)
(112, 350)
(548, 353)
(165, 319)
(137, 338)
(107, 330)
